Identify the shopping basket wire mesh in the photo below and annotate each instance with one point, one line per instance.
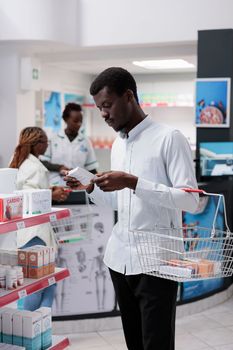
(75, 228)
(187, 253)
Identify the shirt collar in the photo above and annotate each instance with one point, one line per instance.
(61, 133)
(145, 123)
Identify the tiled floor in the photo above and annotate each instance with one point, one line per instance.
(208, 330)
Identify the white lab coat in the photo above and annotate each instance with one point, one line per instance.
(79, 152)
(33, 174)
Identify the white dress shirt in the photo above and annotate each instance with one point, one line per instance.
(161, 159)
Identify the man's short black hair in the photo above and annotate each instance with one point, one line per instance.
(117, 80)
(69, 108)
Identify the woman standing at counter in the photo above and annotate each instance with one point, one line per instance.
(69, 148)
(33, 142)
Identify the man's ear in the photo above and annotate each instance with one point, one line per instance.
(130, 95)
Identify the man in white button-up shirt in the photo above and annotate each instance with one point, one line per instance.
(150, 165)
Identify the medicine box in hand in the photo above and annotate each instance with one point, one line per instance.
(81, 175)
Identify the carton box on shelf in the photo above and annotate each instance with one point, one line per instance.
(32, 330)
(36, 201)
(2, 310)
(46, 327)
(7, 325)
(11, 207)
(35, 263)
(18, 327)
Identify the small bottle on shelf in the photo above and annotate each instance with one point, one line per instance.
(11, 279)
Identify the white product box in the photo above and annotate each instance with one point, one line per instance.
(18, 327)
(46, 326)
(32, 331)
(81, 175)
(182, 272)
(36, 201)
(7, 325)
(8, 178)
(2, 310)
(40, 202)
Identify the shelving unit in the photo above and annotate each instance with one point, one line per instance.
(59, 343)
(14, 225)
(33, 285)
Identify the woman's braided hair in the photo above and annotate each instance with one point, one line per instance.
(28, 138)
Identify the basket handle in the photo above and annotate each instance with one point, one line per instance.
(220, 196)
(194, 190)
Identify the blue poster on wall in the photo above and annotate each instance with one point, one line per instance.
(52, 110)
(76, 98)
(203, 218)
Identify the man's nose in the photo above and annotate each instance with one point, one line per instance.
(104, 114)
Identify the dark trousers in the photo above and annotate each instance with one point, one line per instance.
(148, 308)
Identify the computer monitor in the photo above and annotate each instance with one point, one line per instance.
(216, 158)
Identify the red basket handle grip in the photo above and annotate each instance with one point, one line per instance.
(194, 190)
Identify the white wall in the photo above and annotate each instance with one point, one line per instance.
(8, 107)
(108, 22)
(52, 79)
(125, 22)
(50, 20)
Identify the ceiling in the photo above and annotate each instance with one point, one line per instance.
(94, 59)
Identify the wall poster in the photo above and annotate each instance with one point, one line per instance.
(89, 288)
(212, 102)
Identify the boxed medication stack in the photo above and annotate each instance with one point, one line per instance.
(32, 330)
(36, 201)
(11, 207)
(7, 325)
(18, 327)
(2, 310)
(46, 327)
(35, 263)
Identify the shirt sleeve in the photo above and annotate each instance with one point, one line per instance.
(180, 172)
(91, 162)
(107, 199)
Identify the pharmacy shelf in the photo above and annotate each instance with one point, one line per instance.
(59, 343)
(14, 225)
(31, 286)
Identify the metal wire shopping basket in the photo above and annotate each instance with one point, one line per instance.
(75, 228)
(174, 254)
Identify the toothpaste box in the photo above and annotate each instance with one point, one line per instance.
(18, 327)
(32, 330)
(11, 207)
(7, 325)
(46, 327)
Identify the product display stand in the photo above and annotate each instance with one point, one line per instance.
(33, 285)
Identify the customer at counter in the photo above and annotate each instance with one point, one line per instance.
(69, 148)
(151, 163)
(33, 142)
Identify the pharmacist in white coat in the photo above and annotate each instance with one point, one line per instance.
(32, 174)
(69, 148)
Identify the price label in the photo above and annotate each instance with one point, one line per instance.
(20, 225)
(51, 280)
(53, 217)
(22, 293)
